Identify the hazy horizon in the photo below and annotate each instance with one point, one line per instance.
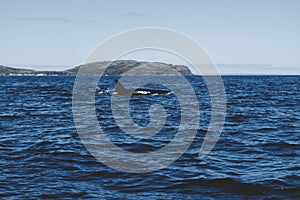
(225, 69)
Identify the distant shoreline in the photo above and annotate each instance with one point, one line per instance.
(116, 68)
(69, 75)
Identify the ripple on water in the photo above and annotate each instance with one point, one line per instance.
(257, 155)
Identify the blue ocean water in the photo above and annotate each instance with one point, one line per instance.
(256, 157)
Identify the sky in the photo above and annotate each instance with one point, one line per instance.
(241, 37)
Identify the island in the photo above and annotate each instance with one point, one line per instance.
(118, 67)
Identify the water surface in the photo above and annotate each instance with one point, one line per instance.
(257, 155)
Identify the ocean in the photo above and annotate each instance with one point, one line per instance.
(256, 157)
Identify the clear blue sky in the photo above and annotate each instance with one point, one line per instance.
(244, 35)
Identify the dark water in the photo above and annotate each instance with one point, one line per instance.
(256, 157)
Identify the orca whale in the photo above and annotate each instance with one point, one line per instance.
(121, 90)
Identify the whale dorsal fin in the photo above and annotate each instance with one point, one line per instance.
(120, 89)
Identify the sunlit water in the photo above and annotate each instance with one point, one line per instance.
(257, 155)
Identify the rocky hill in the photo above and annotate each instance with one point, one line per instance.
(130, 67)
(118, 67)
